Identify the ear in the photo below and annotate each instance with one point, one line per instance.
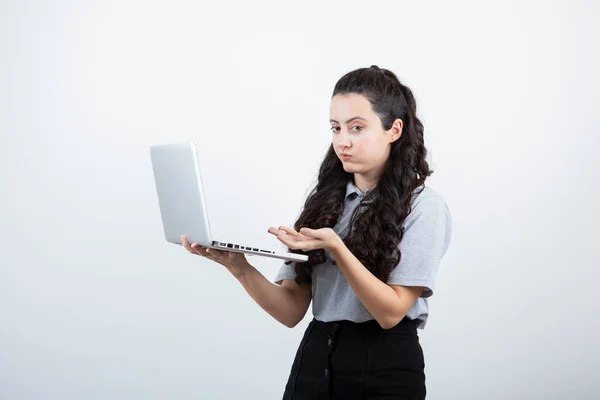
(396, 130)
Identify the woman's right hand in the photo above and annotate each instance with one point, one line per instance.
(236, 263)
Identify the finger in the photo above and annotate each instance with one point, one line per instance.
(310, 232)
(309, 245)
(199, 249)
(274, 231)
(215, 254)
(187, 245)
(287, 239)
(289, 231)
(278, 232)
(305, 245)
(304, 237)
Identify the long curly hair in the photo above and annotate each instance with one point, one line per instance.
(376, 222)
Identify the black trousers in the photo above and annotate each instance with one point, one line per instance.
(348, 360)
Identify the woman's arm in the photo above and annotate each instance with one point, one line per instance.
(388, 304)
(287, 303)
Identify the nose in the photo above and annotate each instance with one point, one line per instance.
(343, 139)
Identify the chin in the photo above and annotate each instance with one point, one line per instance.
(350, 168)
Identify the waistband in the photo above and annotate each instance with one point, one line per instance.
(406, 325)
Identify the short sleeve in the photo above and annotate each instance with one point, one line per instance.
(286, 271)
(427, 235)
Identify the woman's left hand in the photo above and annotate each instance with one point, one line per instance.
(307, 239)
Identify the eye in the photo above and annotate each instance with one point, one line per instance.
(334, 128)
(358, 126)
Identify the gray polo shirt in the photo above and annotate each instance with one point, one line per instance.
(427, 234)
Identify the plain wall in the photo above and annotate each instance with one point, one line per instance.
(94, 304)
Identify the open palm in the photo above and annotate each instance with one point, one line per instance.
(307, 239)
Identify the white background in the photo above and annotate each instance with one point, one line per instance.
(94, 304)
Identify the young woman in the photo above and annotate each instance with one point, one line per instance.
(375, 235)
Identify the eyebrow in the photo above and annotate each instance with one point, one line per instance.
(350, 120)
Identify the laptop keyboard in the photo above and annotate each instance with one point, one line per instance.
(237, 246)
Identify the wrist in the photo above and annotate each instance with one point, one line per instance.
(336, 246)
(240, 271)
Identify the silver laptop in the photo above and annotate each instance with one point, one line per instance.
(182, 205)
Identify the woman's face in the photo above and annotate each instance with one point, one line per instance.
(358, 137)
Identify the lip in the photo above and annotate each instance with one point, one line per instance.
(345, 156)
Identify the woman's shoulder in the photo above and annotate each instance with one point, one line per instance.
(429, 207)
(427, 197)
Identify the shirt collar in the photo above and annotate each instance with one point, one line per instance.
(352, 189)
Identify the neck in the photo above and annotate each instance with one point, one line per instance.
(364, 183)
